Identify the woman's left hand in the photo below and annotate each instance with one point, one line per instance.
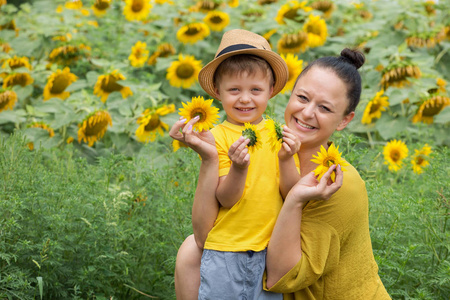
(309, 188)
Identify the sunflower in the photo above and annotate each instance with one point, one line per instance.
(429, 108)
(7, 99)
(100, 7)
(397, 74)
(5, 47)
(94, 127)
(250, 132)
(295, 66)
(68, 54)
(170, 2)
(204, 6)
(42, 125)
(184, 71)
(176, 144)
(73, 4)
(203, 108)
(22, 79)
(374, 108)
(316, 28)
(441, 83)
(266, 2)
(2, 2)
(17, 62)
(293, 43)
(233, 3)
(63, 38)
(325, 6)
(150, 123)
(192, 33)
(394, 152)
(57, 83)
(163, 50)
(326, 158)
(275, 133)
(107, 84)
(426, 39)
(291, 11)
(137, 10)
(217, 20)
(139, 54)
(420, 157)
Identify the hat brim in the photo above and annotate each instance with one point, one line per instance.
(279, 67)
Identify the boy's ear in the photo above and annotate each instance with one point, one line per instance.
(345, 121)
(216, 91)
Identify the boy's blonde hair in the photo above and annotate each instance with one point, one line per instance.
(243, 63)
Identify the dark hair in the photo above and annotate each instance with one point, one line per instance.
(346, 68)
(240, 63)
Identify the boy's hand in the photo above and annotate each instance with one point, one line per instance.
(201, 142)
(291, 144)
(238, 153)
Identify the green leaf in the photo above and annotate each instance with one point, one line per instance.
(443, 117)
(388, 127)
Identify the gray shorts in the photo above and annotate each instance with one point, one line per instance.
(233, 275)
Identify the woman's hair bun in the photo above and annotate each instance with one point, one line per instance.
(355, 57)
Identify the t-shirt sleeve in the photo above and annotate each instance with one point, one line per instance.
(320, 254)
(222, 150)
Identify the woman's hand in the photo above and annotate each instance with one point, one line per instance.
(291, 144)
(201, 142)
(308, 188)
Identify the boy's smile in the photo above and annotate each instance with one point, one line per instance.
(244, 96)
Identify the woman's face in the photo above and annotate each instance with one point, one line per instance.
(317, 107)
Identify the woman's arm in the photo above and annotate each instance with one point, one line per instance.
(285, 250)
(205, 206)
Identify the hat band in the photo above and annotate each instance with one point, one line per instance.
(234, 48)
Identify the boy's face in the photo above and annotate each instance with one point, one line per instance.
(244, 97)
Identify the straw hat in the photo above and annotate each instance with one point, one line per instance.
(239, 41)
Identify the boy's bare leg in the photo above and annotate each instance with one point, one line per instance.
(187, 270)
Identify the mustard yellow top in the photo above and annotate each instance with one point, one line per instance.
(249, 223)
(337, 260)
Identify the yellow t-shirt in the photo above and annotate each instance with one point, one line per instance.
(249, 223)
(337, 259)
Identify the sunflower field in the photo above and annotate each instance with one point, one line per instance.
(96, 197)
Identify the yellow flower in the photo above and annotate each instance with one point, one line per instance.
(325, 159)
(293, 43)
(170, 2)
(100, 7)
(233, 3)
(184, 71)
(266, 2)
(275, 134)
(394, 152)
(150, 123)
(217, 20)
(374, 108)
(325, 6)
(139, 54)
(107, 84)
(205, 6)
(137, 10)
(429, 108)
(94, 127)
(316, 28)
(203, 108)
(73, 4)
(192, 33)
(295, 66)
(63, 38)
(397, 74)
(250, 132)
(291, 10)
(163, 50)
(68, 54)
(441, 83)
(419, 161)
(22, 79)
(2, 2)
(57, 83)
(17, 62)
(5, 47)
(176, 144)
(7, 100)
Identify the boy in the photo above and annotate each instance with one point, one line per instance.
(244, 75)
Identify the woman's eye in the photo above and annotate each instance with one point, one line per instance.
(324, 108)
(302, 98)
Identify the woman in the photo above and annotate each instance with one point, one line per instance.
(318, 249)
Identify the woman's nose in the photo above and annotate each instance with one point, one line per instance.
(308, 110)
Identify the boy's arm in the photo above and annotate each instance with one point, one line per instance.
(232, 185)
(289, 174)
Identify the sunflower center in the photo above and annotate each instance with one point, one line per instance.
(198, 112)
(329, 161)
(185, 71)
(95, 129)
(100, 5)
(419, 160)
(18, 79)
(375, 107)
(395, 155)
(291, 14)
(433, 109)
(153, 123)
(322, 5)
(166, 50)
(192, 30)
(138, 53)
(60, 83)
(311, 28)
(294, 41)
(216, 20)
(137, 6)
(207, 5)
(110, 85)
